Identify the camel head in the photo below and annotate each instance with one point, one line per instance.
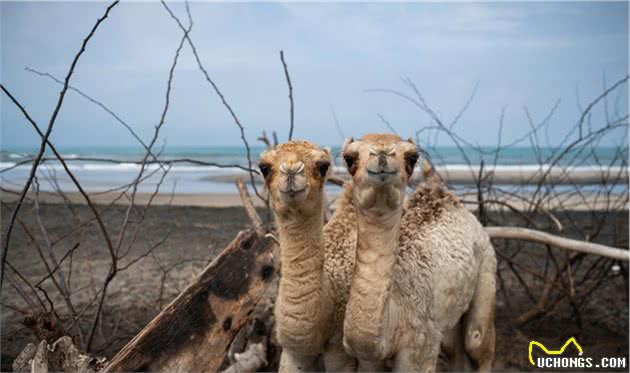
(295, 173)
(381, 166)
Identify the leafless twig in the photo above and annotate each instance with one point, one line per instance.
(288, 78)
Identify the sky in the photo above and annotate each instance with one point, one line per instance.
(517, 55)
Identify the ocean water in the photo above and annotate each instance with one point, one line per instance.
(103, 168)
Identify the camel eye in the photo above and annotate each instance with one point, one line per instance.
(322, 167)
(349, 160)
(264, 169)
(412, 159)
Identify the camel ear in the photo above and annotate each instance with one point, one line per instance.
(428, 171)
(411, 141)
(348, 141)
(268, 152)
(350, 156)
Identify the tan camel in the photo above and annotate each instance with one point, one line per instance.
(420, 274)
(316, 261)
(463, 259)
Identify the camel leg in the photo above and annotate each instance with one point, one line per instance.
(484, 362)
(420, 355)
(449, 339)
(453, 345)
(414, 360)
(336, 359)
(371, 366)
(291, 362)
(479, 329)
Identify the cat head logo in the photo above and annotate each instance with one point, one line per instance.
(553, 352)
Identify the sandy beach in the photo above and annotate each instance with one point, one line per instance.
(196, 226)
(573, 201)
(196, 234)
(130, 141)
(142, 198)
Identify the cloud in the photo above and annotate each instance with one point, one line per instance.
(520, 53)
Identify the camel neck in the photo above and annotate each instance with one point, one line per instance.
(301, 242)
(370, 295)
(378, 233)
(301, 307)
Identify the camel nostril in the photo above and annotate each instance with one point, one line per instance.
(382, 161)
(290, 181)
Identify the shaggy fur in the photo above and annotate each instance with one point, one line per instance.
(419, 275)
(315, 286)
(463, 262)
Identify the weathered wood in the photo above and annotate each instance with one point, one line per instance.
(64, 356)
(61, 356)
(40, 360)
(23, 362)
(194, 331)
(515, 233)
(254, 218)
(254, 358)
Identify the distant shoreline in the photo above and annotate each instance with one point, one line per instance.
(588, 201)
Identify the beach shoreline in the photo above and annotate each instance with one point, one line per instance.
(206, 180)
(574, 202)
(503, 175)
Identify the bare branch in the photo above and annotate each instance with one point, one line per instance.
(387, 124)
(515, 233)
(42, 148)
(218, 93)
(286, 75)
(336, 121)
(249, 208)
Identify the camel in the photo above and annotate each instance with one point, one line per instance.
(424, 275)
(316, 261)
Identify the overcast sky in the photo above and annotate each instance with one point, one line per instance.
(520, 55)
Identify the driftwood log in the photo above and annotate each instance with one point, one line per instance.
(193, 333)
(60, 356)
(515, 233)
(249, 207)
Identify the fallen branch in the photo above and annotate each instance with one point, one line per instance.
(40, 360)
(560, 242)
(193, 332)
(23, 362)
(61, 356)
